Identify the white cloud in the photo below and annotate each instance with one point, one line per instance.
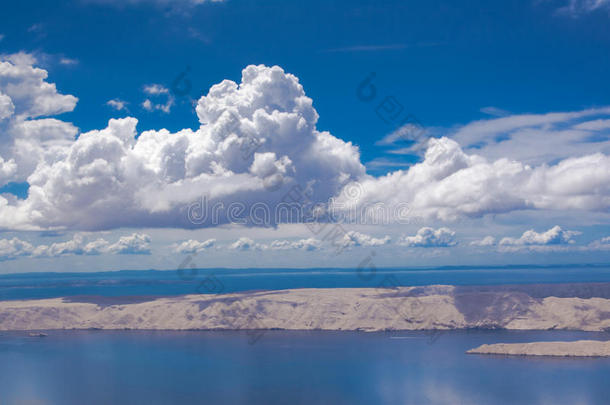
(601, 244)
(20, 58)
(430, 237)
(148, 105)
(76, 246)
(7, 108)
(486, 241)
(368, 48)
(117, 104)
(385, 163)
(554, 236)
(308, 244)
(579, 7)
(155, 89)
(160, 3)
(13, 248)
(8, 168)
(594, 125)
(136, 243)
(256, 141)
(554, 239)
(411, 131)
(35, 28)
(25, 97)
(244, 244)
(166, 107)
(495, 111)
(355, 239)
(252, 135)
(450, 184)
(68, 61)
(26, 85)
(525, 137)
(193, 246)
(248, 244)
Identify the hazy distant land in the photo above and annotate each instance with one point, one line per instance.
(579, 307)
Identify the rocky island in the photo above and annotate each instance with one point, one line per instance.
(579, 348)
(440, 307)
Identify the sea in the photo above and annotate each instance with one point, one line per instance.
(289, 367)
(185, 280)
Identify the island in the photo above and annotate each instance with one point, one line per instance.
(438, 307)
(579, 348)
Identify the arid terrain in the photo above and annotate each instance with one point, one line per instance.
(542, 307)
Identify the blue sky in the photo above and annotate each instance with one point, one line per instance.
(450, 65)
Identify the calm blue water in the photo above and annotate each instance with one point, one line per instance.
(138, 367)
(155, 283)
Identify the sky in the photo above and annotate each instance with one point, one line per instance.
(235, 133)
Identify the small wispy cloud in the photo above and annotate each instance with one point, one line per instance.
(158, 3)
(577, 8)
(385, 162)
(367, 48)
(494, 111)
(35, 28)
(38, 31)
(196, 34)
(382, 47)
(157, 90)
(486, 241)
(68, 61)
(117, 104)
(148, 105)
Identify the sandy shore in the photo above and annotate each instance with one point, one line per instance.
(580, 348)
(367, 309)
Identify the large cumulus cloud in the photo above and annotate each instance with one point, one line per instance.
(26, 137)
(450, 184)
(257, 139)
